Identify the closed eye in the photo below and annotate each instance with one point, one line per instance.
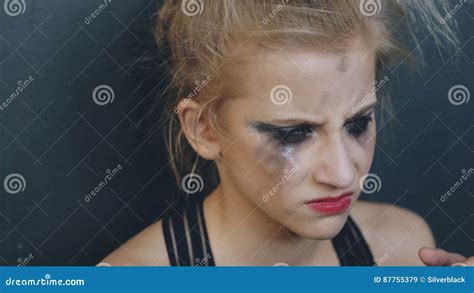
(358, 126)
(294, 135)
(286, 135)
(300, 133)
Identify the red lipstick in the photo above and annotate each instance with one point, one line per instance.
(331, 205)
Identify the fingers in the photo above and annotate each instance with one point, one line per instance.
(439, 257)
(469, 261)
(459, 264)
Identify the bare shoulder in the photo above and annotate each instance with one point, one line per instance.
(395, 234)
(146, 248)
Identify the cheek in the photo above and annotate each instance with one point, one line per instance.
(275, 160)
(256, 165)
(283, 171)
(266, 164)
(363, 151)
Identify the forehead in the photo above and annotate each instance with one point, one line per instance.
(314, 80)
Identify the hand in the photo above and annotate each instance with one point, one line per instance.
(440, 257)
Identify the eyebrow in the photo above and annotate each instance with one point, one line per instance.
(310, 120)
(363, 109)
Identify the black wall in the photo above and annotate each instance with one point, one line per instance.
(63, 143)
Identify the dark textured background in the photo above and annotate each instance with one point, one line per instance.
(62, 143)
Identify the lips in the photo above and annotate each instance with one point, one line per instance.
(331, 205)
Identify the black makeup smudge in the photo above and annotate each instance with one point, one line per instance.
(287, 136)
(274, 158)
(342, 64)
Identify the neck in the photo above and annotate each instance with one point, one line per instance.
(242, 233)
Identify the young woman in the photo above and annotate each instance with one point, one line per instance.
(275, 101)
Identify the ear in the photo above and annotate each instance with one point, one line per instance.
(198, 129)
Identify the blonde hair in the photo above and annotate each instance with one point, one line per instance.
(203, 41)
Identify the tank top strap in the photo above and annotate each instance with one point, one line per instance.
(187, 240)
(351, 247)
(186, 237)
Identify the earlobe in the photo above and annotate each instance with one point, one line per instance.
(198, 130)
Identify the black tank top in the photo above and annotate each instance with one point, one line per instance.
(187, 240)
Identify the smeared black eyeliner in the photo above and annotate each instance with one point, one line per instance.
(286, 135)
(357, 126)
(299, 133)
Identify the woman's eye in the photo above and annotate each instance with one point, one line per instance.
(293, 135)
(359, 126)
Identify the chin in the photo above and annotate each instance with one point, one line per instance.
(320, 228)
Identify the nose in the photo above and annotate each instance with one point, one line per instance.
(334, 166)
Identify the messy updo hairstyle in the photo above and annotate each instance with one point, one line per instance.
(203, 41)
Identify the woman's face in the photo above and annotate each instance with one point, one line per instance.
(302, 129)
